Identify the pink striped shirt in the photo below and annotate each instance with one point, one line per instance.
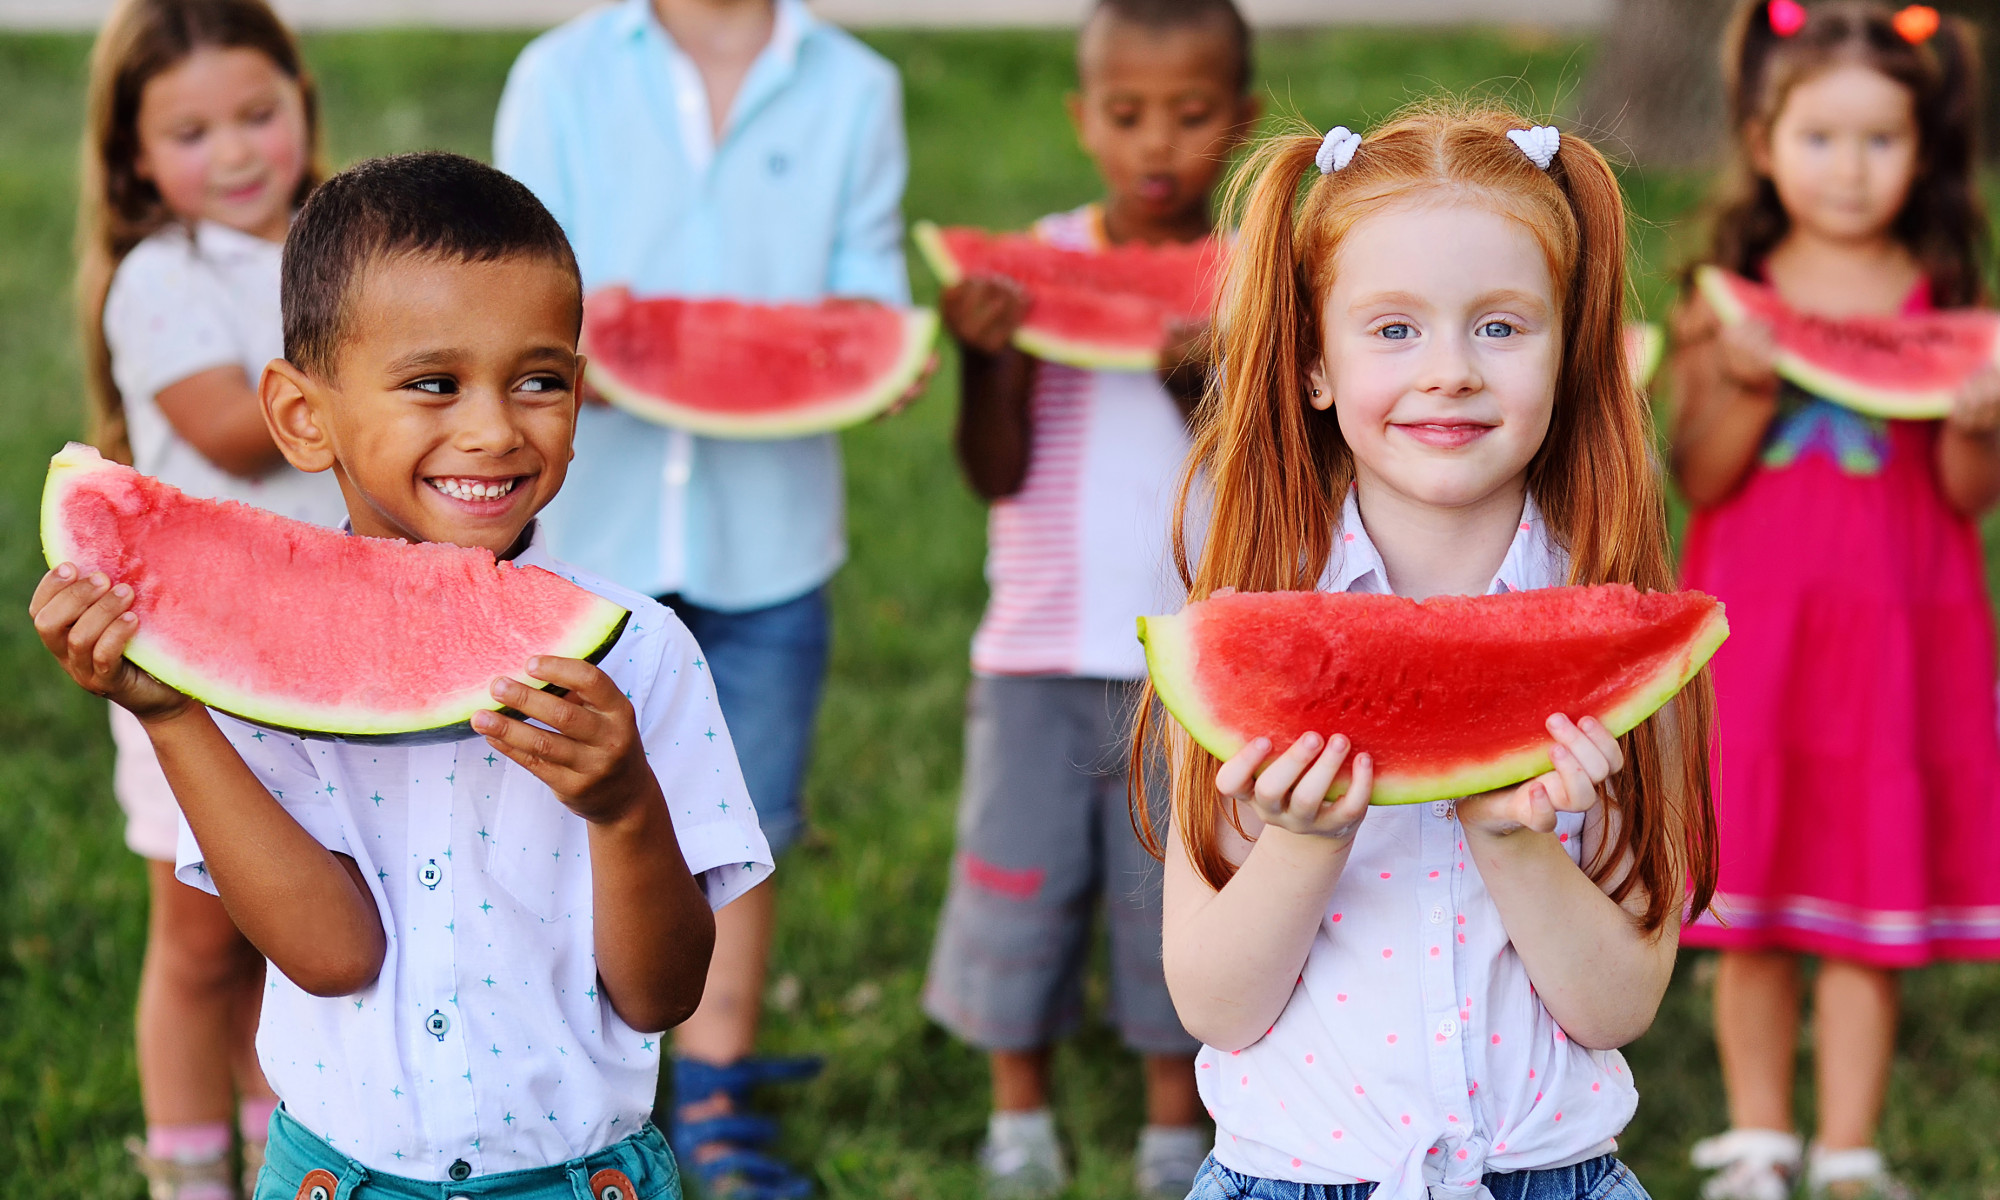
(1080, 552)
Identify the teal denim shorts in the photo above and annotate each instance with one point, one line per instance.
(300, 1166)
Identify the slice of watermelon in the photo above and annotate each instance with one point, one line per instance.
(1449, 696)
(1645, 346)
(1105, 310)
(308, 629)
(1906, 368)
(729, 369)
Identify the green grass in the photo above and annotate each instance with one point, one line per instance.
(901, 1109)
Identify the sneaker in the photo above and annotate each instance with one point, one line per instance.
(1749, 1164)
(1857, 1174)
(1168, 1159)
(171, 1179)
(1021, 1160)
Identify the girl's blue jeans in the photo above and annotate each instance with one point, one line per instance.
(1602, 1178)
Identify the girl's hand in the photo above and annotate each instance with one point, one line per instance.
(984, 311)
(1975, 410)
(1585, 755)
(87, 623)
(1291, 792)
(1747, 351)
(591, 755)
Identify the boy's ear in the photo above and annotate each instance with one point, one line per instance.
(1249, 111)
(292, 400)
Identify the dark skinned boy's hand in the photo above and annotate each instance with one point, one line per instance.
(984, 311)
(86, 622)
(590, 756)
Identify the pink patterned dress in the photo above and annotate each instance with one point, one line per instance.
(1857, 764)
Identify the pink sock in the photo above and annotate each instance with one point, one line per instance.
(253, 1117)
(198, 1142)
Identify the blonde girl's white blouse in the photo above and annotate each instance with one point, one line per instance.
(183, 302)
(1414, 1052)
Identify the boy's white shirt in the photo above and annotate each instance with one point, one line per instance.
(486, 1039)
(1414, 1052)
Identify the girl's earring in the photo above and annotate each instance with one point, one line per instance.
(1315, 393)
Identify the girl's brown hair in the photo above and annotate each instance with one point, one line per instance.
(140, 40)
(1274, 470)
(1943, 222)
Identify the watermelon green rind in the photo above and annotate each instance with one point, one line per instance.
(1917, 404)
(1041, 343)
(1652, 348)
(589, 638)
(920, 327)
(1172, 661)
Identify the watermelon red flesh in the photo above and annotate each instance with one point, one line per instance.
(298, 627)
(1898, 367)
(1110, 308)
(1448, 696)
(736, 370)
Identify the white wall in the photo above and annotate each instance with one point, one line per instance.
(85, 14)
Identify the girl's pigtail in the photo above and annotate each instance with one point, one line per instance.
(1247, 468)
(1596, 478)
(1945, 219)
(1747, 43)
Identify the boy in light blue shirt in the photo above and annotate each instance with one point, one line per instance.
(742, 149)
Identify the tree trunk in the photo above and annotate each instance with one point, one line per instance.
(1654, 94)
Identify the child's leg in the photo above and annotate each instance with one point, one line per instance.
(1171, 1099)
(1756, 1031)
(1020, 1079)
(1855, 1032)
(190, 1021)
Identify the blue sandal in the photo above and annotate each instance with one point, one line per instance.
(744, 1172)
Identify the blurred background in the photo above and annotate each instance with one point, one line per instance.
(901, 1110)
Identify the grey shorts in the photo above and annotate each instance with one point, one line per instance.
(1044, 834)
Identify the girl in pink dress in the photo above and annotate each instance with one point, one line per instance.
(1857, 767)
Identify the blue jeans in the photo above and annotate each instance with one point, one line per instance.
(1601, 1178)
(769, 665)
(298, 1165)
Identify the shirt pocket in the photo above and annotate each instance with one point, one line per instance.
(530, 836)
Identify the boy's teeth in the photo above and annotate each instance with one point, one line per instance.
(472, 489)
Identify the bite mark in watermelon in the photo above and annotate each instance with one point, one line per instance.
(307, 629)
(1449, 696)
(1906, 368)
(730, 369)
(1105, 310)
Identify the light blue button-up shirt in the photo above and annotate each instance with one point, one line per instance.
(607, 121)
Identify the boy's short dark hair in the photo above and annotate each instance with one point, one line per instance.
(429, 203)
(1179, 14)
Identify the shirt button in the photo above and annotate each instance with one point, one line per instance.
(1447, 1027)
(430, 874)
(1441, 807)
(460, 1171)
(1437, 916)
(438, 1024)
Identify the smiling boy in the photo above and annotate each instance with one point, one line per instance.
(475, 942)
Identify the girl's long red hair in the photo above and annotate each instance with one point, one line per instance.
(1272, 471)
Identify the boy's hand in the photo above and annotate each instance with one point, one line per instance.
(1291, 792)
(1585, 755)
(593, 760)
(984, 311)
(87, 623)
(1975, 410)
(1747, 353)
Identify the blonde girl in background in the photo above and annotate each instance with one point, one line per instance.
(201, 142)
(1426, 396)
(1857, 767)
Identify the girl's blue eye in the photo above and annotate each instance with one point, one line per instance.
(1496, 329)
(1397, 332)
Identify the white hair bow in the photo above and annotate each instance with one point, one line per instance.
(1337, 149)
(1539, 144)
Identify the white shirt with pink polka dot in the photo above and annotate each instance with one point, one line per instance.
(1414, 1052)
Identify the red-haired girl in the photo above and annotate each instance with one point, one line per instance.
(1857, 769)
(199, 145)
(1425, 395)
